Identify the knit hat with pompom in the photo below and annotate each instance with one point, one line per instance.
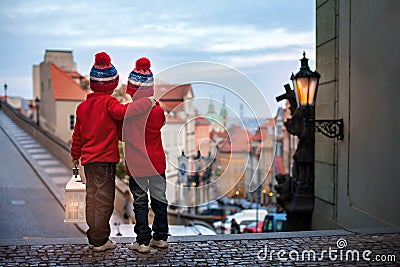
(140, 81)
(103, 75)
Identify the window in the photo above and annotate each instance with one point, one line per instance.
(71, 122)
(279, 130)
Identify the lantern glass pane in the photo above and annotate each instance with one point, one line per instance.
(312, 91)
(75, 192)
(301, 90)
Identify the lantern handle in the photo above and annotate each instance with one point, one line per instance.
(75, 171)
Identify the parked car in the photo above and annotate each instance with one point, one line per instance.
(251, 228)
(255, 205)
(219, 213)
(243, 224)
(274, 222)
(224, 200)
(244, 203)
(211, 205)
(192, 228)
(243, 218)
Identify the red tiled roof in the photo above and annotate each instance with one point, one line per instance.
(64, 86)
(201, 121)
(237, 141)
(74, 74)
(171, 105)
(268, 122)
(171, 92)
(174, 119)
(257, 136)
(223, 134)
(278, 164)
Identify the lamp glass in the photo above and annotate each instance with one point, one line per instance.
(305, 90)
(301, 90)
(312, 92)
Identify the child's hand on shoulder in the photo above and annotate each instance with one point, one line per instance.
(153, 101)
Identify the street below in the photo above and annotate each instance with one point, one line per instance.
(27, 210)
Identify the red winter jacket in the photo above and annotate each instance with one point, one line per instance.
(144, 153)
(95, 137)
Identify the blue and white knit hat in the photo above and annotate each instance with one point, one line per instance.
(103, 75)
(140, 80)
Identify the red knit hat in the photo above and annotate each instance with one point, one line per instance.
(103, 75)
(140, 81)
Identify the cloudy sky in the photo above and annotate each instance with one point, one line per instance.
(262, 39)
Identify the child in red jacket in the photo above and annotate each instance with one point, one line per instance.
(95, 142)
(145, 162)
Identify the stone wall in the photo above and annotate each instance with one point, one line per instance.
(356, 180)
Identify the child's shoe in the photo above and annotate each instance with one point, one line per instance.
(141, 248)
(108, 245)
(158, 243)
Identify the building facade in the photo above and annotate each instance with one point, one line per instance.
(356, 180)
(233, 159)
(60, 88)
(178, 133)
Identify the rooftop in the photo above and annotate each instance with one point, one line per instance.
(64, 86)
(171, 92)
(238, 141)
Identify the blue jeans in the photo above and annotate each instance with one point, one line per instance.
(100, 195)
(157, 187)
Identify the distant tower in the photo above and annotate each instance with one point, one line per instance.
(214, 118)
(211, 108)
(224, 113)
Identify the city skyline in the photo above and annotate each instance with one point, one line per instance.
(263, 40)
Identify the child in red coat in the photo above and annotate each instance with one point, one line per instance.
(95, 142)
(145, 162)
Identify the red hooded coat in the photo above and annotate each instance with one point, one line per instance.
(95, 136)
(144, 153)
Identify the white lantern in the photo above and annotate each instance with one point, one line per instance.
(75, 194)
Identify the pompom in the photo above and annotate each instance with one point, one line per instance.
(102, 59)
(143, 63)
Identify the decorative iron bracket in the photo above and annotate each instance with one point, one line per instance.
(330, 128)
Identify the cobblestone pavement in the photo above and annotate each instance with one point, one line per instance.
(232, 252)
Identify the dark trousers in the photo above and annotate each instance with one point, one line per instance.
(100, 195)
(156, 185)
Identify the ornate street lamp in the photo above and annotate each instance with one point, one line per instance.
(305, 84)
(5, 92)
(37, 103)
(296, 193)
